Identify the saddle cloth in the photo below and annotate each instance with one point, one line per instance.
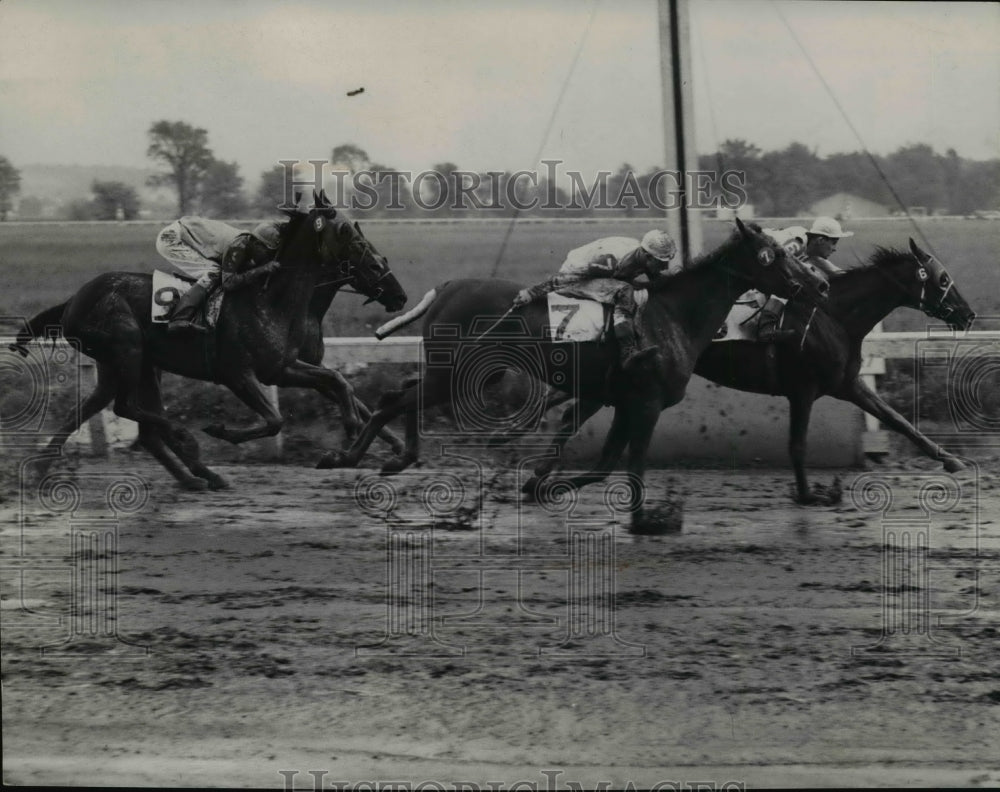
(741, 324)
(572, 319)
(167, 290)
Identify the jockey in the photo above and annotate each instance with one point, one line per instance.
(199, 246)
(604, 270)
(813, 246)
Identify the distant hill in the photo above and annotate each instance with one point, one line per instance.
(56, 185)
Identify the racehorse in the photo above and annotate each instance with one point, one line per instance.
(827, 360)
(256, 341)
(681, 317)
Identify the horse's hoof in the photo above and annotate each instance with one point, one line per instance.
(954, 465)
(215, 430)
(217, 482)
(331, 459)
(530, 489)
(194, 484)
(396, 465)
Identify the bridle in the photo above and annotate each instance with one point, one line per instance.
(924, 276)
(350, 271)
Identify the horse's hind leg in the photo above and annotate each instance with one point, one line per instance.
(178, 439)
(99, 398)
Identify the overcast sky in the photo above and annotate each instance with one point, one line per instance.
(477, 82)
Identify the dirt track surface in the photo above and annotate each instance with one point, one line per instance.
(331, 621)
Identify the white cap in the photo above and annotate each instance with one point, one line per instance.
(659, 245)
(828, 227)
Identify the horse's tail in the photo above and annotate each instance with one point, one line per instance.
(50, 317)
(412, 315)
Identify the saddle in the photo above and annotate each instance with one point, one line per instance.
(167, 290)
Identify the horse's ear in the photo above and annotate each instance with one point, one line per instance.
(316, 199)
(298, 197)
(742, 228)
(916, 251)
(322, 197)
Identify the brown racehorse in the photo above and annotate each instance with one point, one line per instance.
(681, 317)
(256, 342)
(825, 360)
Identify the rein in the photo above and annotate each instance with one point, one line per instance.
(922, 302)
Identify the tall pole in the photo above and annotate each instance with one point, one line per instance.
(683, 222)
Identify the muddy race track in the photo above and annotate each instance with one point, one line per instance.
(428, 628)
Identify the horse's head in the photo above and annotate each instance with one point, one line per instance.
(345, 250)
(926, 284)
(771, 269)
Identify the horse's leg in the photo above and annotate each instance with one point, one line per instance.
(800, 410)
(614, 446)
(553, 398)
(869, 401)
(99, 398)
(426, 392)
(642, 422)
(573, 417)
(331, 384)
(249, 390)
(178, 439)
(150, 438)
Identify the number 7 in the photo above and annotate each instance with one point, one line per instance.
(570, 309)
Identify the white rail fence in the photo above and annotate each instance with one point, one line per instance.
(342, 352)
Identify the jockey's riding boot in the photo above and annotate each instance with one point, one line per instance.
(767, 324)
(186, 314)
(629, 347)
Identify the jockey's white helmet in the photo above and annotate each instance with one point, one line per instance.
(267, 234)
(828, 227)
(659, 245)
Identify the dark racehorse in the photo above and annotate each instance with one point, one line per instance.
(828, 361)
(681, 316)
(256, 342)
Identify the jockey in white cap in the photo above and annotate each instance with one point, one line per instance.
(204, 249)
(813, 246)
(604, 270)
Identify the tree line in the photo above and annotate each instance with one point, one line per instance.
(781, 183)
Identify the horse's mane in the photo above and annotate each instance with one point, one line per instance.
(707, 259)
(884, 256)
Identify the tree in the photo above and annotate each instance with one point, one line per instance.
(184, 149)
(222, 190)
(274, 190)
(114, 200)
(349, 157)
(10, 185)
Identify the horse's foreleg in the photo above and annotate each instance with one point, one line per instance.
(332, 385)
(800, 410)
(249, 390)
(869, 401)
(614, 446)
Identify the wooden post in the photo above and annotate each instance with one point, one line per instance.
(683, 222)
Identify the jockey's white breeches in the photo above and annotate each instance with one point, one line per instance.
(184, 257)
